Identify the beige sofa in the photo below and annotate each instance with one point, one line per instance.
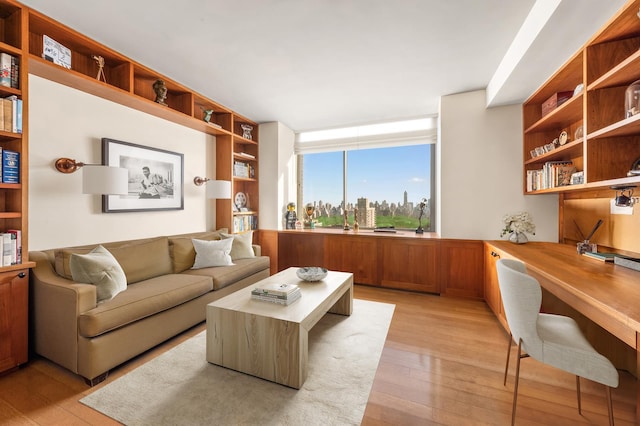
(163, 297)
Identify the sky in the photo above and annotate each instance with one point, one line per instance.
(378, 174)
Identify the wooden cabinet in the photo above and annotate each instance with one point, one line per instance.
(460, 272)
(131, 84)
(409, 265)
(610, 140)
(491, 286)
(405, 262)
(14, 301)
(351, 253)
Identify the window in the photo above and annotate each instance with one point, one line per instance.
(385, 184)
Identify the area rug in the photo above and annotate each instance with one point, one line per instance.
(180, 387)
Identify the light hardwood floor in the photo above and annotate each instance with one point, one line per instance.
(442, 363)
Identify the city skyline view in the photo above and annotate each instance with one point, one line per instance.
(381, 174)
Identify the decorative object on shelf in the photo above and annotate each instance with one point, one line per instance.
(290, 217)
(635, 168)
(100, 60)
(345, 225)
(563, 138)
(206, 114)
(624, 195)
(549, 147)
(555, 101)
(160, 89)
(312, 273)
(533, 153)
(516, 225)
(578, 89)
(632, 99)
(577, 178)
(310, 210)
(97, 178)
(356, 225)
(539, 150)
(240, 202)
(246, 131)
(421, 206)
(216, 189)
(585, 246)
(579, 133)
(53, 51)
(155, 177)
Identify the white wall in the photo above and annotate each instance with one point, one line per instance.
(479, 155)
(69, 123)
(278, 174)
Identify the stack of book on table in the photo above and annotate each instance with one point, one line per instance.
(283, 294)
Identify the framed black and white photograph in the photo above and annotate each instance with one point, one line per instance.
(156, 177)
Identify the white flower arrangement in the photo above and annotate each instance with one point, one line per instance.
(518, 223)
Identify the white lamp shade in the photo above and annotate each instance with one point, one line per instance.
(218, 189)
(105, 180)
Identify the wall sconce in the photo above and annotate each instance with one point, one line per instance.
(624, 195)
(216, 189)
(97, 178)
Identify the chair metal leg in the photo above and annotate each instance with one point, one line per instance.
(506, 367)
(578, 392)
(610, 406)
(515, 386)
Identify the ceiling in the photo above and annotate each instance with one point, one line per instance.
(314, 64)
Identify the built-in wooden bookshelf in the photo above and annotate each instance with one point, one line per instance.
(131, 84)
(610, 143)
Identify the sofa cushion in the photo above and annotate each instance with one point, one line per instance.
(212, 253)
(182, 252)
(100, 268)
(242, 245)
(241, 269)
(140, 260)
(143, 299)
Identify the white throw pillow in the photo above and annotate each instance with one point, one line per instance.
(242, 245)
(212, 253)
(100, 268)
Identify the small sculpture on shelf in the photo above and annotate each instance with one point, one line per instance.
(206, 114)
(100, 60)
(356, 225)
(310, 210)
(160, 89)
(346, 226)
(421, 206)
(246, 131)
(290, 216)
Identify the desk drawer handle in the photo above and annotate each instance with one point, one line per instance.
(494, 254)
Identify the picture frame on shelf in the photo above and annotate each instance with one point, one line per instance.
(156, 177)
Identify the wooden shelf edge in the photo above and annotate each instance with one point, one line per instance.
(10, 186)
(10, 215)
(603, 184)
(616, 75)
(23, 265)
(79, 81)
(249, 213)
(571, 110)
(626, 127)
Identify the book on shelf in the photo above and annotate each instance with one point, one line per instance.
(245, 223)
(603, 256)
(240, 169)
(17, 233)
(5, 69)
(15, 72)
(275, 289)
(7, 114)
(552, 175)
(8, 249)
(10, 166)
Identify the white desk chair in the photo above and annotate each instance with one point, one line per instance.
(555, 340)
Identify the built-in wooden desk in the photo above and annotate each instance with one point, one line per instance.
(607, 294)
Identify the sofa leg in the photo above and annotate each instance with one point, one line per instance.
(96, 380)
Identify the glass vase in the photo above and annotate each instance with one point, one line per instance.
(518, 237)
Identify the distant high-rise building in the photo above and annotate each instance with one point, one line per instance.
(366, 214)
(406, 198)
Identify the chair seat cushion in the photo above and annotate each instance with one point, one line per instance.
(143, 299)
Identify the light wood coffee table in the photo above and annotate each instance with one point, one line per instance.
(268, 340)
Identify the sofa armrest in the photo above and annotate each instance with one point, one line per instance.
(257, 250)
(56, 304)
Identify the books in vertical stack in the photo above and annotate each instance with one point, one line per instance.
(282, 294)
(10, 166)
